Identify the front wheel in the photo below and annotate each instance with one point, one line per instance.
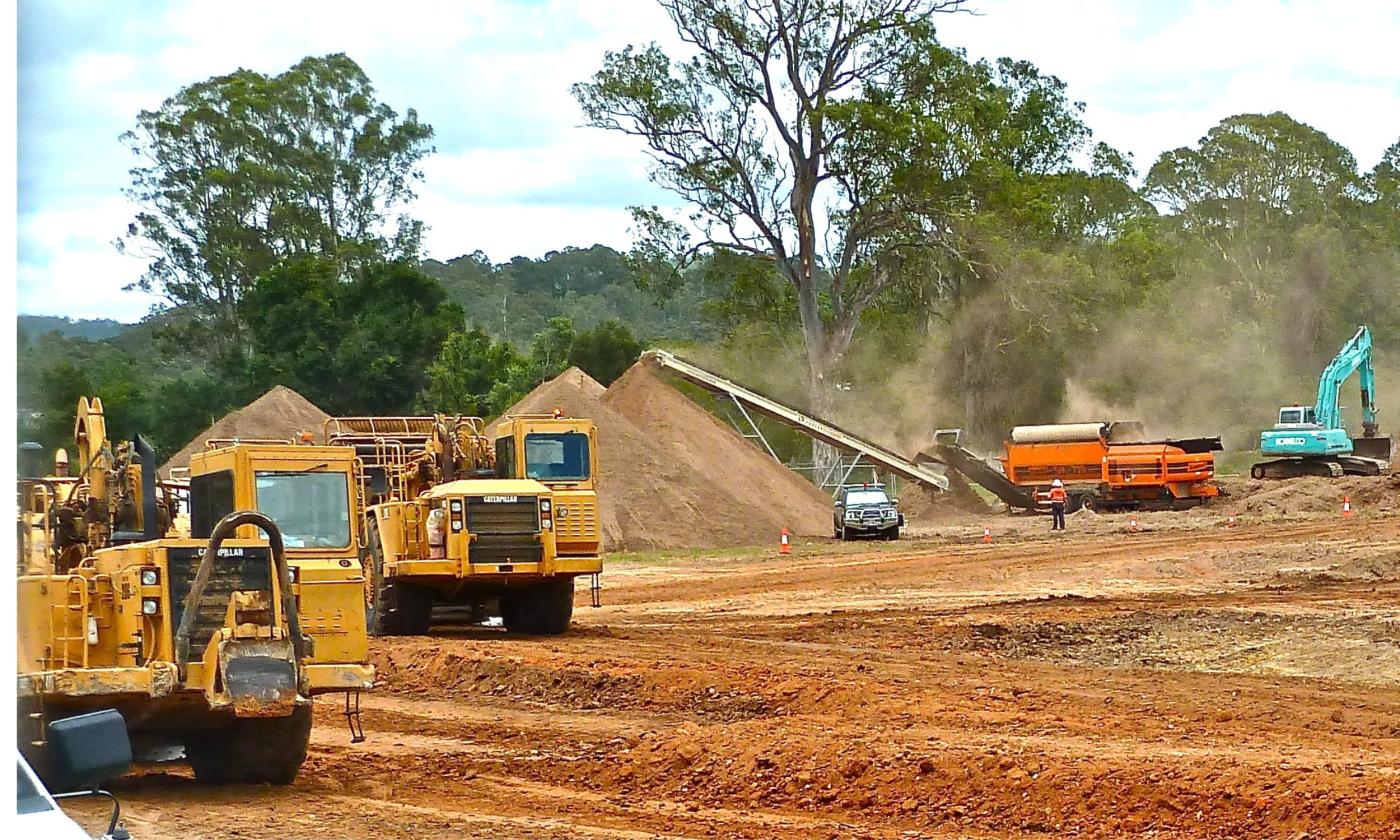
(893, 533)
(542, 610)
(392, 607)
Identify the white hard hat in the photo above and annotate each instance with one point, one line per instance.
(1057, 483)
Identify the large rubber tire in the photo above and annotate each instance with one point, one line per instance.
(392, 608)
(542, 610)
(893, 533)
(1257, 472)
(251, 750)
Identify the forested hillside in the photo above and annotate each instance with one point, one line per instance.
(93, 329)
(983, 262)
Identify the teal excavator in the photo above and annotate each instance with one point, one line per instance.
(1311, 440)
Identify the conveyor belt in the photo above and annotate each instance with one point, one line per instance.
(813, 427)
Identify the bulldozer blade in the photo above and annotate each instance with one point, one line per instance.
(260, 678)
(1372, 447)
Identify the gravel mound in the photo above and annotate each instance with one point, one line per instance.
(280, 414)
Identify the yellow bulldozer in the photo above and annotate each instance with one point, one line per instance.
(212, 643)
(501, 526)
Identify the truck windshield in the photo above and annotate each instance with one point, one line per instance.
(312, 509)
(561, 456)
(866, 497)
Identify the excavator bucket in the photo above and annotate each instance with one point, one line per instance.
(1378, 447)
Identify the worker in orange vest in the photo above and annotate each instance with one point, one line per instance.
(1057, 505)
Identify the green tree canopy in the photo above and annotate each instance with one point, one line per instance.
(1264, 167)
(476, 376)
(605, 352)
(240, 171)
(744, 133)
(361, 346)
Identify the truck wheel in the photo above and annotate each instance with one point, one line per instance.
(1088, 502)
(252, 750)
(845, 534)
(543, 610)
(893, 533)
(1256, 472)
(392, 608)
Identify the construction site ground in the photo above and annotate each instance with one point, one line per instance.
(1187, 680)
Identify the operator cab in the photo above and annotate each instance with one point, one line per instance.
(561, 453)
(1296, 416)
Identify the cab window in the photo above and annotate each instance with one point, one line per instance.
(505, 457)
(557, 456)
(211, 499)
(311, 509)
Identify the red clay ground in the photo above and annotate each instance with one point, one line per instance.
(1186, 681)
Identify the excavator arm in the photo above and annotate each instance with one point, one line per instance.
(1354, 357)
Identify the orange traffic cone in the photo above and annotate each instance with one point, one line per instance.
(1230, 521)
(784, 542)
(1132, 523)
(986, 534)
(1346, 506)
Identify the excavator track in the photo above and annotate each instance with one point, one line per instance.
(1328, 467)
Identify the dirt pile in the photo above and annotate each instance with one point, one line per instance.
(684, 487)
(280, 414)
(720, 456)
(1314, 495)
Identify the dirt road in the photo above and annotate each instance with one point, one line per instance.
(1184, 682)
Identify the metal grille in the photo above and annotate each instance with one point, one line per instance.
(581, 523)
(245, 569)
(503, 515)
(505, 550)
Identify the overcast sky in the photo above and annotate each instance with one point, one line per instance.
(515, 173)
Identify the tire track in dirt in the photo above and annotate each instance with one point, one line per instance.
(831, 696)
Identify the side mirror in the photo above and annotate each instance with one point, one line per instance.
(87, 750)
(894, 502)
(840, 503)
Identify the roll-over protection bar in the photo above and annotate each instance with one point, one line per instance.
(301, 645)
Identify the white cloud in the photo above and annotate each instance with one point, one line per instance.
(68, 266)
(1156, 76)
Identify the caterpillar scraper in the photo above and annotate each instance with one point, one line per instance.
(497, 525)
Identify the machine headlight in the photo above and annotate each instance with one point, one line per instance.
(149, 577)
(544, 505)
(546, 523)
(851, 514)
(889, 514)
(561, 513)
(150, 606)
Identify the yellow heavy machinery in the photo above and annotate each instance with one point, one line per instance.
(455, 518)
(213, 643)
